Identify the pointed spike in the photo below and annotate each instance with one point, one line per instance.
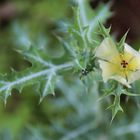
(104, 31)
(122, 41)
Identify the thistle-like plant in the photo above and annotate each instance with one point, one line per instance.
(80, 40)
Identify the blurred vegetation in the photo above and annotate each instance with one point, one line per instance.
(72, 114)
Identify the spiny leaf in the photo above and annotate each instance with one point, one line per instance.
(106, 93)
(30, 76)
(120, 45)
(102, 13)
(82, 5)
(109, 89)
(77, 19)
(104, 31)
(115, 107)
(35, 56)
(47, 86)
(67, 47)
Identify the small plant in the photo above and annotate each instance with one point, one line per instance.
(82, 41)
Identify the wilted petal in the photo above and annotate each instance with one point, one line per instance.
(107, 50)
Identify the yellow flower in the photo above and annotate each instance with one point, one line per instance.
(123, 67)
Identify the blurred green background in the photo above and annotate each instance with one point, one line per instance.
(70, 114)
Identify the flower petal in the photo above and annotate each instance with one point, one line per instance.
(134, 65)
(129, 49)
(112, 71)
(107, 50)
(133, 56)
(108, 69)
(134, 76)
(122, 80)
